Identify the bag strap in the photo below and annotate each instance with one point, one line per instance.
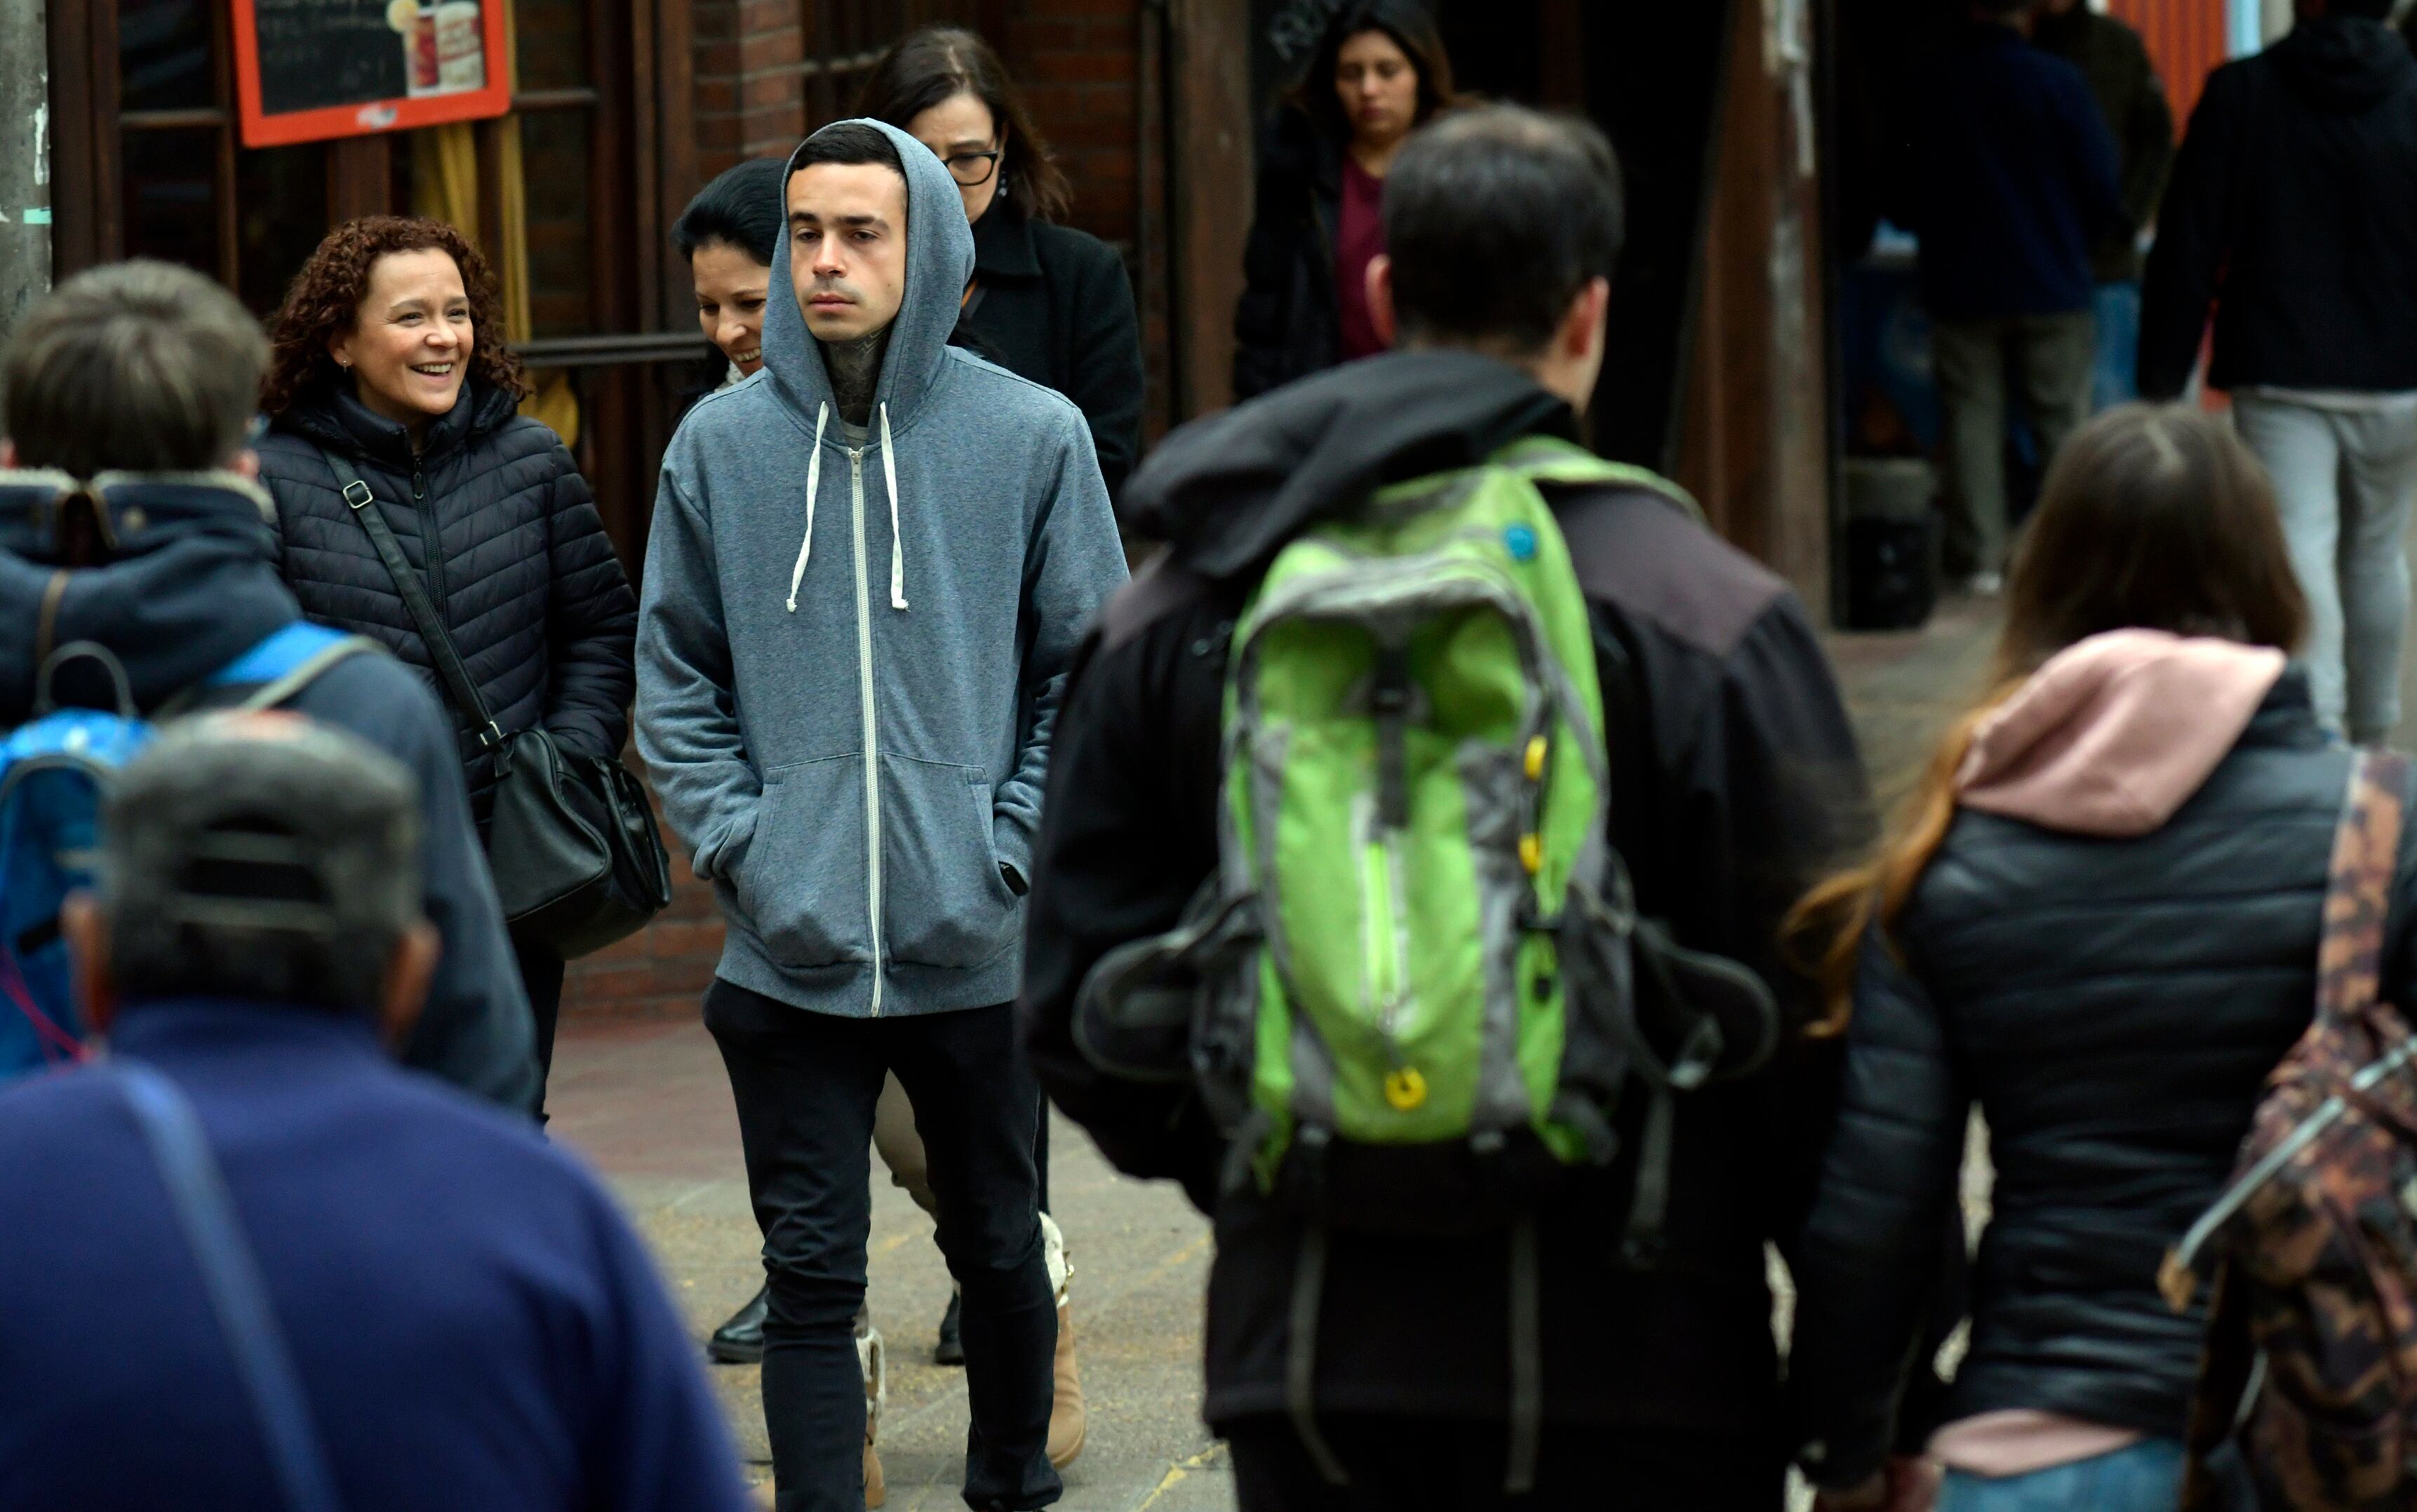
(2350, 972)
(424, 615)
(2358, 887)
(231, 1273)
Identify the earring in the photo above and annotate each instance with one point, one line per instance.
(345, 363)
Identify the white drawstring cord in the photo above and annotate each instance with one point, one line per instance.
(897, 548)
(814, 486)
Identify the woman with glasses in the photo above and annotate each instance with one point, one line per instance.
(1047, 302)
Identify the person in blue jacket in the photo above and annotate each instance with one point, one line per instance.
(2016, 186)
(464, 1319)
(149, 373)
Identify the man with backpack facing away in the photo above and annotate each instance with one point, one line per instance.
(130, 523)
(1615, 1338)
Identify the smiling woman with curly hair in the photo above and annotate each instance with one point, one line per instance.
(390, 364)
(326, 299)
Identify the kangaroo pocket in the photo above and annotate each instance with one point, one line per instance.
(802, 884)
(945, 904)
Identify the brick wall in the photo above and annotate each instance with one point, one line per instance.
(751, 100)
(1079, 60)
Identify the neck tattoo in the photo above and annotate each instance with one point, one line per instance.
(854, 368)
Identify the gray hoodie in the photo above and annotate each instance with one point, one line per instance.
(849, 658)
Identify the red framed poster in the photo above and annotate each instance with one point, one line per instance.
(307, 70)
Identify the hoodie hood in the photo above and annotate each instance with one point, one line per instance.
(192, 586)
(2115, 734)
(939, 261)
(2345, 64)
(1228, 491)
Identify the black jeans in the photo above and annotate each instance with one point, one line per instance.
(806, 1085)
(1414, 1464)
(541, 978)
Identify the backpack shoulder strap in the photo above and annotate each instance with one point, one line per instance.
(2350, 972)
(1160, 590)
(274, 671)
(2358, 887)
(231, 1274)
(1550, 462)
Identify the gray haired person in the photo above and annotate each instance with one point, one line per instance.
(420, 1259)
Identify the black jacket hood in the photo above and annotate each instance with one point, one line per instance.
(1228, 491)
(2345, 62)
(190, 588)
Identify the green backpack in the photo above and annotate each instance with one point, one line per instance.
(1417, 988)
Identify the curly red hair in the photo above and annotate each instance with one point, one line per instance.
(321, 303)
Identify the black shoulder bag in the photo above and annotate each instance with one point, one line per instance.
(577, 860)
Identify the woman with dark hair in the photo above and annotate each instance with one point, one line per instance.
(1379, 73)
(727, 236)
(389, 363)
(2098, 921)
(1047, 302)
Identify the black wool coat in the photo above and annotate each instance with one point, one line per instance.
(1288, 324)
(537, 602)
(1053, 304)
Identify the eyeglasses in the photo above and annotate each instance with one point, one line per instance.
(972, 169)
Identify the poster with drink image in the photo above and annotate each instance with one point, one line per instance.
(307, 70)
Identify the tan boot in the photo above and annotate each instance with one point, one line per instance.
(875, 1361)
(1068, 1421)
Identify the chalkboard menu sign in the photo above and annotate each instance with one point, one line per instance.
(310, 70)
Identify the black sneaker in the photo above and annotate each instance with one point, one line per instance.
(740, 1341)
(950, 1350)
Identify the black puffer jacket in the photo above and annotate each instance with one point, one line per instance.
(1288, 324)
(2113, 1006)
(538, 603)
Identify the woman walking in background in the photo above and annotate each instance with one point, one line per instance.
(1379, 73)
(390, 362)
(1047, 302)
(2099, 921)
(726, 235)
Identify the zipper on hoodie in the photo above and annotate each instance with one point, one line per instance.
(871, 740)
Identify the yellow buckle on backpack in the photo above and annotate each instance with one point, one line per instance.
(1405, 1089)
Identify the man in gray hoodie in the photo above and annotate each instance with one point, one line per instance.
(871, 563)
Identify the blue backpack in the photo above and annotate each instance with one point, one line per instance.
(53, 771)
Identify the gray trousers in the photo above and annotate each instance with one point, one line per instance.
(2343, 481)
(2050, 360)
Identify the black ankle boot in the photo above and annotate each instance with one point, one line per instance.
(950, 1350)
(740, 1341)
